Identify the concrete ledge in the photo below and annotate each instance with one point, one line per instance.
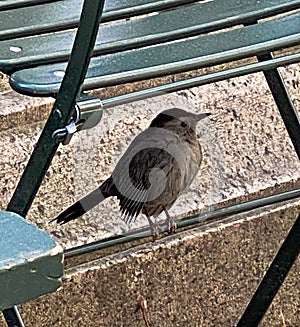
(19, 110)
(202, 277)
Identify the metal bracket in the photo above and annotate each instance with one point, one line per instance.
(91, 111)
(87, 114)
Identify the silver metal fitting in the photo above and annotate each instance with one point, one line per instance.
(87, 114)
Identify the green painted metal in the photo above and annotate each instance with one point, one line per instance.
(62, 110)
(30, 261)
(290, 249)
(220, 213)
(60, 116)
(13, 4)
(168, 25)
(284, 103)
(13, 317)
(273, 279)
(188, 54)
(32, 20)
(65, 14)
(200, 80)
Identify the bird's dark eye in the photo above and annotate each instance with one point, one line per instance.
(183, 124)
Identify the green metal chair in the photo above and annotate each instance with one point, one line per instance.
(128, 50)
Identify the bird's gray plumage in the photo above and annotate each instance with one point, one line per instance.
(159, 164)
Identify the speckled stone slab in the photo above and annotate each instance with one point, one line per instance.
(203, 277)
(30, 261)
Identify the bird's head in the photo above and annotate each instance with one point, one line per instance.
(178, 120)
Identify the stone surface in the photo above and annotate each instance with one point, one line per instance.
(198, 278)
(203, 277)
(247, 153)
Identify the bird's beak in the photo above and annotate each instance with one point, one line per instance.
(203, 115)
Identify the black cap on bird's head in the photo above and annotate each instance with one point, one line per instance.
(177, 114)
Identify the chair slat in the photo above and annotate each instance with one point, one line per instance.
(187, 54)
(28, 258)
(59, 15)
(13, 4)
(167, 26)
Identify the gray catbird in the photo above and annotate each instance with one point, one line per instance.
(159, 164)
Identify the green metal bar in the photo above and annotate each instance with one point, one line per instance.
(288, 252)
(188, 221)
(60, 116)
(284, 103)
(273, 278)
(62, 109)
(12, 317)
(200, 80)
(18, 4)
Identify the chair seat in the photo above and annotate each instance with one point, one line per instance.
(157, 38)
(167, 58)
(30, 261)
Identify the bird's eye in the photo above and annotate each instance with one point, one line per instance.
(183, 124)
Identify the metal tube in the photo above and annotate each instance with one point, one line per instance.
(273, 278)
(288, 252)
(46, 147)
(188, 221)
(200, 80)
(12, 317)
(284, 103)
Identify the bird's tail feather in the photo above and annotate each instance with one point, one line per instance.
(74, 211)
(85, 204)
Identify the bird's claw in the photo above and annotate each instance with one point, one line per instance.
(154, 227)
(172, 226)
(154, 231)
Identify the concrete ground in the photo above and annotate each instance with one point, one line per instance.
(247, 153)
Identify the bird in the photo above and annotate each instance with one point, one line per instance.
(157, 167)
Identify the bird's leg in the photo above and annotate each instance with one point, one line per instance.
(154, 227)
(171, 224)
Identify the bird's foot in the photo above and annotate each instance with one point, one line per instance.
(171, 224)
(154, 227)
(155, 230)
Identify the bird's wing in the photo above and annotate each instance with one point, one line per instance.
(145, 172)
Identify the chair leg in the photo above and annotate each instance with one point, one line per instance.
(290, 248)
(273, 279)
(12, 317)
(284, 103)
